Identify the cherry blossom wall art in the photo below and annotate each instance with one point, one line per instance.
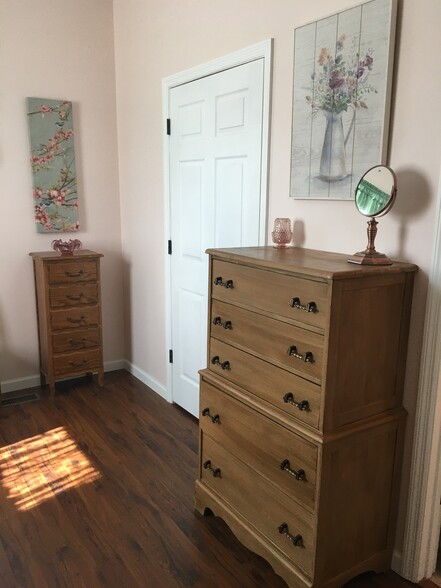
(341, 99)
(53, 165)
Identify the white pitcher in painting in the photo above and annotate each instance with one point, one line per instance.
(333, 157)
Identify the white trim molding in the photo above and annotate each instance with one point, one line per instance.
(19, 384)
(423, 515)
(262, 50)
(397, 561)
(147, 380)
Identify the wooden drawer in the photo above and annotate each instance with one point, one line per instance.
(71, 318)
(72, 271)
(76, 341)
(273, 384)
(271, 291)
(81, 362)
(269, 508)
(74, 295)
(279, 455)
(270, 338)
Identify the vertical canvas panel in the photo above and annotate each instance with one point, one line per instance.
(302, 153)
(341, 95)
(53, 165)
(348, 31)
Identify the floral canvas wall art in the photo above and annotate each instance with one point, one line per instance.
(53, 165)
(341, 99)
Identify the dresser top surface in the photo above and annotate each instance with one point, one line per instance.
(55, 255)
(321, 264)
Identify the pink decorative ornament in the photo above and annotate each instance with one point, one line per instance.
(66, 247)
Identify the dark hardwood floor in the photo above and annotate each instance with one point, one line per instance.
(97, 491)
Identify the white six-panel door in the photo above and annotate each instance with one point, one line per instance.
(215, 200)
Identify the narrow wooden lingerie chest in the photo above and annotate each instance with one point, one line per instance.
(301, 424)
(68, 293)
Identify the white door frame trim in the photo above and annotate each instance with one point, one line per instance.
(423, 512)
(260, 50)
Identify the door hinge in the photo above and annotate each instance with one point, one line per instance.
(170, 356)
(169, 246)
(168, 127)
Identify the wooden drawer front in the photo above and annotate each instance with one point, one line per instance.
(75, 295)
(75, 317)
(279, 455)
(273, 292)
(70, 272)
(268, 337)
(261, 503)
(296, 396)
(76, 340)
(77, 362)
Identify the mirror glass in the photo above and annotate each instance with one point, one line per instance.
(376, 191)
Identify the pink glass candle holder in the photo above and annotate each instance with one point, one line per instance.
(282, 233)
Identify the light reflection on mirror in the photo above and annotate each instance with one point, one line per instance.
(37, 469)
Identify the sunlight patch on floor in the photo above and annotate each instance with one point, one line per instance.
(36, 469)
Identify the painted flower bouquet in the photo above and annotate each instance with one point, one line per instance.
(341, 80)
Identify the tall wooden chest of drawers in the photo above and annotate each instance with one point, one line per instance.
(301, 424)
(68, 294)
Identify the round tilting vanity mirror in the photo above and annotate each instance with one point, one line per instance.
(374, 196)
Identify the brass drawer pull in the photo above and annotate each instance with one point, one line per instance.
(298, 474)
(289, 399)
(225, 324)
(81, 341)
(215, 471)
(73, 364)
(74, 274)
(307, 357)
(309, 307)
(296, 539)
(214, 418)
(72, 320)
(227, 284)
(76, 298)
(225, 365)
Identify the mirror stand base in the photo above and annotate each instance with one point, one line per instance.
(370, 258)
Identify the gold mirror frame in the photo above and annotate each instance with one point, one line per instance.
(374, 197)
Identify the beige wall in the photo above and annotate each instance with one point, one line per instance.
(157, 39)
(56, 49)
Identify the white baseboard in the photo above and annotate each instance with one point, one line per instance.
(147, 380)
(34, 381)
(19, 384)
(117, 364)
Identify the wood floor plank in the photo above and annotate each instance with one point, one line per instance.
(105, 497)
